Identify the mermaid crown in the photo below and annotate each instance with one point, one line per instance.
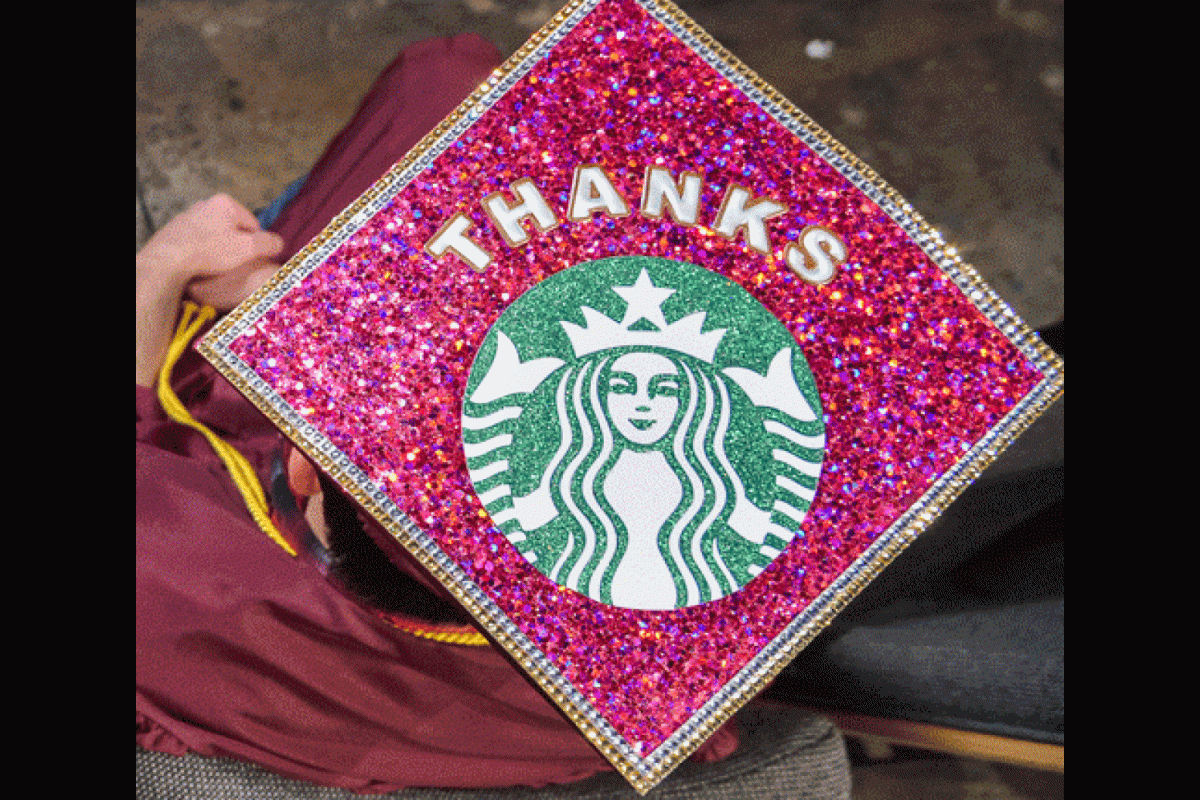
(645, 300)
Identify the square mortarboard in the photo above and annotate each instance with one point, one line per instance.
(644, 367)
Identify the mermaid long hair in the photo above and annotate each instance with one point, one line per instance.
(695, 448)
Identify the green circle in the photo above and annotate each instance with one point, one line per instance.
(644, 432)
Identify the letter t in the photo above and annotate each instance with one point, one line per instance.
(453, 237)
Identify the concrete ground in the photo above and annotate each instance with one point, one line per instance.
(957, 104)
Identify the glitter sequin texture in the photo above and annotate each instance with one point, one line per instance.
(372, 348)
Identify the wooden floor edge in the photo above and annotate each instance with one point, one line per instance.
(985, 746)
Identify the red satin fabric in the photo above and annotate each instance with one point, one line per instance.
(246, 652)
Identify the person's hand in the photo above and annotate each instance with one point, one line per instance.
(306, 487)
(216, 249)
(216, 252)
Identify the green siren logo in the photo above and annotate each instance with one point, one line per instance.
(643, 431)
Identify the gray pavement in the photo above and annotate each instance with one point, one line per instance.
(959, 105)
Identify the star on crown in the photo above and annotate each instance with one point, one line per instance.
(644, 301)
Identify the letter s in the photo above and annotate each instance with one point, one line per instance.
(823, 252)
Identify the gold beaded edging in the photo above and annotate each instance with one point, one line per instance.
(643, 773)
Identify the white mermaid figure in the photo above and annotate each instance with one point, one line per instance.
(640, 495)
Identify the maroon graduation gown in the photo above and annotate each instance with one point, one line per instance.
(243, 651)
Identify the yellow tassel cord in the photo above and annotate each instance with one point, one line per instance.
(467, 635)
(239, 468)
(194, 318)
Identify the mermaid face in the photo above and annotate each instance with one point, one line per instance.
(643, 396)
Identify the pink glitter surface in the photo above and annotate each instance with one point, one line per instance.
(374, 346)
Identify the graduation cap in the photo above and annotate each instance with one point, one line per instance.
(644, 367)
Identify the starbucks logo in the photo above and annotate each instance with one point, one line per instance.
(643, 431)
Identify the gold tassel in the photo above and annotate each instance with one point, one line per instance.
(194, 318)
(239, 468)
